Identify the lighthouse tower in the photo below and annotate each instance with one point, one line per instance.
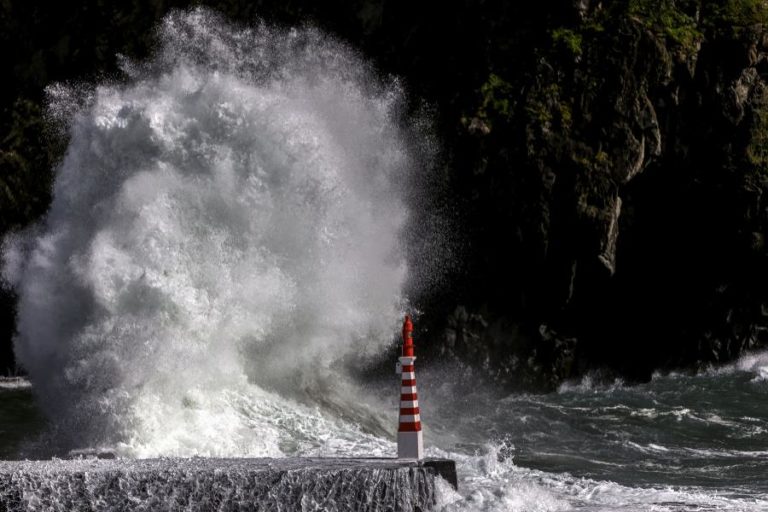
(410, 444)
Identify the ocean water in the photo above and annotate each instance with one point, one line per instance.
(678, 443)
(226, 248)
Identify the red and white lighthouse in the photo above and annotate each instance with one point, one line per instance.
(410, 444)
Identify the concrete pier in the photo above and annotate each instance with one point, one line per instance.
(223, 484)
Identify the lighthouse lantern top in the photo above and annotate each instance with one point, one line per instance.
(407, 337)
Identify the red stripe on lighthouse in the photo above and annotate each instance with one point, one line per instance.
(409, 382)
(408, 397)
(410, 427)
(409, 410)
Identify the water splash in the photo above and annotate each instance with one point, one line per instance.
(225, 220)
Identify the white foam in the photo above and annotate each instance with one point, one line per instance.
(490, 481)
(589, 384)
(754, 362)
(762, 374)
(226, 222)
(14, 383)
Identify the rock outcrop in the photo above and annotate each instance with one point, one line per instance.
(618, 214)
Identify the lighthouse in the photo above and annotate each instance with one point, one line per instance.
(410, 444)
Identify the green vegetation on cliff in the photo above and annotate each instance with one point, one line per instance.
(571, 39)
(733, 17)
(674, 19)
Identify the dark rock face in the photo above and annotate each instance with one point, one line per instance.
(605, 162)
(7, 312)
(617, 213)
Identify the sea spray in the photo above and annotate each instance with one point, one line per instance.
(226, 219)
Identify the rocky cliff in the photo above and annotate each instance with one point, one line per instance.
(614, 197)
(603, 169)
